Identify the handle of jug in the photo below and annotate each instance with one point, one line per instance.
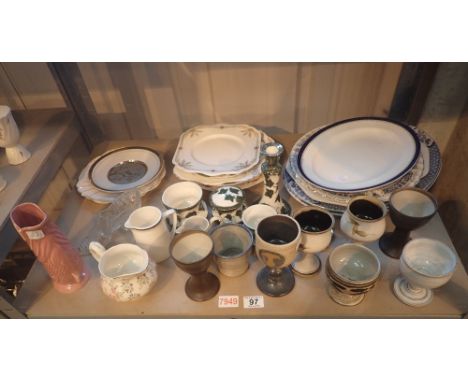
(172, 212)
(97, 250)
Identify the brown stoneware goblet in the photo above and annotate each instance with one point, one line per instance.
(410, 208)
(192, 252)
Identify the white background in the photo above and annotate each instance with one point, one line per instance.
(233, 350)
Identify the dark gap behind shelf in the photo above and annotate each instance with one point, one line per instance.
(15, 268)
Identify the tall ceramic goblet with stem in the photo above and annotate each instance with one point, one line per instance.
(410, 208)
(9, 138)
(192, 252)
(425, 264)
(277, 240)
(317, 231)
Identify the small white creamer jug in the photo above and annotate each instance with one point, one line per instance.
(151, 232)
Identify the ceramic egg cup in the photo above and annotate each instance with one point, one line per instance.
(364, 219)
(410, 208)
(425, 264)
(192, 251)
(353, 271)
(317, 232)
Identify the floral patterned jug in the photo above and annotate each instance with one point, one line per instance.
(127, 273)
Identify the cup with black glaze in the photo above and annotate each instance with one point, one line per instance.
(364, 219)
(317, 231)
(410, 208)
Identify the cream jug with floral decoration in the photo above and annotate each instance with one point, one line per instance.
(127, 273)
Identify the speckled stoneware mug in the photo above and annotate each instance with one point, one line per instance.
(232, 248)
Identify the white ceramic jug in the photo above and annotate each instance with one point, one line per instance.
(150, 231)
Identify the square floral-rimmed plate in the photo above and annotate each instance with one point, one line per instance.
(220, 149)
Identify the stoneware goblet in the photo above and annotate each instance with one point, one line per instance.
(192, 252)
(364, 219)
(410, 208)
(277, 240)
(317, 231)
(425, 264)
(353, 270)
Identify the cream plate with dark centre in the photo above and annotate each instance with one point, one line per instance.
(125, 169)
(127, 172)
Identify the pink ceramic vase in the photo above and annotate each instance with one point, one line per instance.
(62, 262)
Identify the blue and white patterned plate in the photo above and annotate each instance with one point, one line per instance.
(301, 197)
(432, 162)
(432, 165)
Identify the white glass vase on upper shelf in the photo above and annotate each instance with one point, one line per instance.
(9, 138)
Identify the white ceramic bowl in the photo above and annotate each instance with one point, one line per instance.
(255, 213)
(353, 270)
(182, 195)
(354, 264)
